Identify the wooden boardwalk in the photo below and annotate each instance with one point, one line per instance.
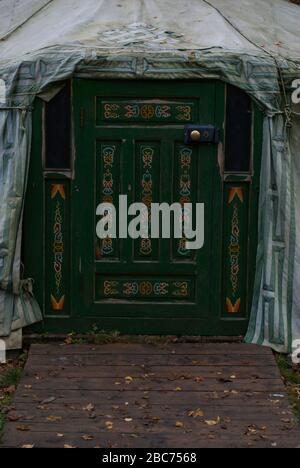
(151, 396)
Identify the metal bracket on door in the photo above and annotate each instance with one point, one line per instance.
(201, 134)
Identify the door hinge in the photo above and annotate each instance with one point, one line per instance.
(82, 117)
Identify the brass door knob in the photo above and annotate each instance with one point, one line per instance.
(195, 135)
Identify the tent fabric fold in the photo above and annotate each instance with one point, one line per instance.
(254, 46)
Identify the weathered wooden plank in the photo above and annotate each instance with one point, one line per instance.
(107, 406)
(149, 426)
(154, 360)
(250, 416)
(166, 440)
(146, 349)
(243, 388)
(149, 384)
(161, 397)
(180, 372)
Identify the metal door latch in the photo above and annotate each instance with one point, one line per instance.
(201, 134)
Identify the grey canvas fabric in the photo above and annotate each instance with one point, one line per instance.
(253, 45)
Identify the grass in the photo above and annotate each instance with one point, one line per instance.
(95, 336)
(10, 375)
(291, 376)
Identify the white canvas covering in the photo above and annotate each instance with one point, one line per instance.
(252, 44)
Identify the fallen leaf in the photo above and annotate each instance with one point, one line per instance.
(128, 379)
(28, 387)
(69, 339)
(223, 380)
(128, 419)
(47, 401)
(199, 379)
(87, 437)
(156, 419)
(89, 407)
(14, 418)
(28, 446)
(109, 425)
(213, 422)
(179, 424)
(251, 430)
(60, 435)
(10, 390)
(198, 413)
(178, 389)
(54, 418)
(67, 446)
(23, 428)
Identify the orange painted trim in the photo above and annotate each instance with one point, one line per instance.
(57, 305)
(58, 188)
(233, 308)
(236, 191)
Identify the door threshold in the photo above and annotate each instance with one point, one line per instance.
(95, 338)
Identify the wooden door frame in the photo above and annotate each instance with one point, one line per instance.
(34, 228)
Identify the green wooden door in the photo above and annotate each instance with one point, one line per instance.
(130, 141)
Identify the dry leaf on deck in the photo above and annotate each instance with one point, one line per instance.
(9, 390)
(89, 407)
(23, 428)
(54, 418)
(47, 401)
(199, 379)
(14, 418)
(198, 413)
(213, 422)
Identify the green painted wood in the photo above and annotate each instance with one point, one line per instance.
(148, 162)
(241, 192)
(129, 140)
(57, 247)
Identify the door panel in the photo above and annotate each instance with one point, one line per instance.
(134, 145)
